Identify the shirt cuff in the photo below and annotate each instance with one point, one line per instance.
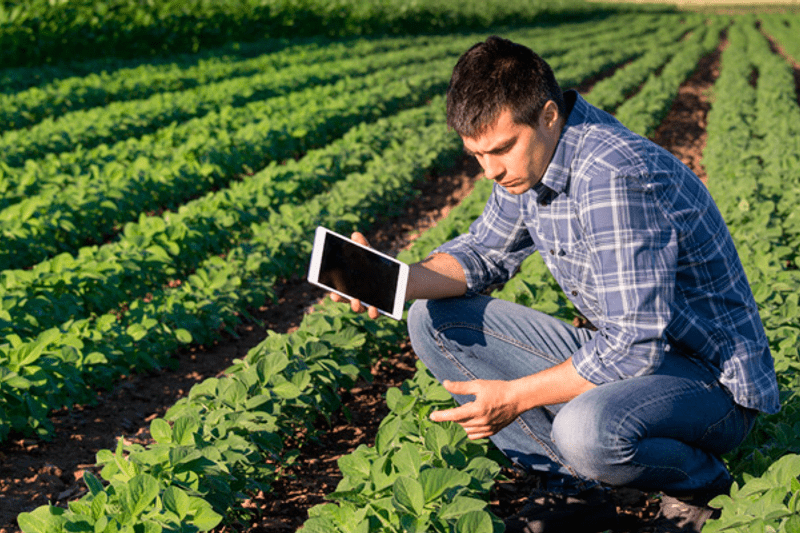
(596, 362)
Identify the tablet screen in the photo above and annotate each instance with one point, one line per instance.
(358, 272)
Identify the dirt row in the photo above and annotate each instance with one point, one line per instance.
(33, 473)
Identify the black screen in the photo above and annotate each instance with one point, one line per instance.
(359, 273)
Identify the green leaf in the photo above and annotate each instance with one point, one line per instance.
(45, 519)
(139, 494)
(792, 525)
(475, 522)
(461, 505)
(287, 390)
(408, 495)
(161, 431)
(183, 431)
(354, 465)
(387, 433)
(99, 504)
(95, 487)
(136, 331)
(183, 336)
(177, 501)
(437, 480)
(205, 518)
(407, 459)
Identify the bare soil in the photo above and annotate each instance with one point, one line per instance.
(33, 473)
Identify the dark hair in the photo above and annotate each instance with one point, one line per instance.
(498, 74)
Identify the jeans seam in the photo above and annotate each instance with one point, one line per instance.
(487, 331)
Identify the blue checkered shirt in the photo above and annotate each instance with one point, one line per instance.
(637, 244)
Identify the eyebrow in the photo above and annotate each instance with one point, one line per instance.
(503, 146)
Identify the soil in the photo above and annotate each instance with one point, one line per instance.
(33, 473)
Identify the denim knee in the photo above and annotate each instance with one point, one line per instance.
(582, 434)
(419, 321)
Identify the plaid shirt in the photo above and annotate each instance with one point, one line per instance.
(637, 244)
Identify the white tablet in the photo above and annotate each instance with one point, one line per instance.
(351, 270)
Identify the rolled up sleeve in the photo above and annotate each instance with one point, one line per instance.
(496, 244)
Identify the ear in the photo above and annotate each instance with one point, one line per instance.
(549, 115)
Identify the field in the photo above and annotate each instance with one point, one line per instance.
(164, 364)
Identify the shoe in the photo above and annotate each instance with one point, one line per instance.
(688, 513)
(590, 511)
(680, 516)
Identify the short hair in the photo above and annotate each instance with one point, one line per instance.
(498, 74)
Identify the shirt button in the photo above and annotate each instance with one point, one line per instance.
(574, 293)
(552, 252)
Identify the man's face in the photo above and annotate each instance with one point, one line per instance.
(515, 155)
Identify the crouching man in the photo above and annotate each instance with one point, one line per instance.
(678, 366)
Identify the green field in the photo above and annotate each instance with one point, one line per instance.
(163, 166)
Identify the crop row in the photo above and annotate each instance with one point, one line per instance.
(156, 249)
(146, 115)
(216, 148)
(134, 118)
(31, 300)
(753, 162)
(643, 112)
(100, 83)
(609, 93)
(35, 31)
(225, 440)
(783, 28)
(62, 364)
(54, 92)
(86, 194)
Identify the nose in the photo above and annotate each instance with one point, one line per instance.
(492, 167)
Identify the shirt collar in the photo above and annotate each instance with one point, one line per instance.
(556, 177)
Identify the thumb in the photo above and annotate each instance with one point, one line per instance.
(359, 238)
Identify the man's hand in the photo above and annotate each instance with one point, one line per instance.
(493, 409)
(355, 304)
(497, 403)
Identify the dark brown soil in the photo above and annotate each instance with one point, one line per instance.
(33, 473)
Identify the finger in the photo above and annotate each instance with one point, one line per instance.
(357, 306)
(359, 238)
(337, 298)
(373, 313)
(459, 387)
(480, 435)
(461, 415)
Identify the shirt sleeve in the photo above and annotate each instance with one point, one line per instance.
(634, 255)
(496, 244)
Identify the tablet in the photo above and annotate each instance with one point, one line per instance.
(349, 269)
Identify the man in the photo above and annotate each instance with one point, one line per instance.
(678, 366)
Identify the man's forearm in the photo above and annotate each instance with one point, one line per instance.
(438, 276)
(557, 384)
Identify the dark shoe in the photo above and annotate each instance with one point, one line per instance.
(590, 511)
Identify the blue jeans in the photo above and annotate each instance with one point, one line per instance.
(664, 431)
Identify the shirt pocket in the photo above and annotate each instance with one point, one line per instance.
(574, 263)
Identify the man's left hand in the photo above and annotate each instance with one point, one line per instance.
(493, 408)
